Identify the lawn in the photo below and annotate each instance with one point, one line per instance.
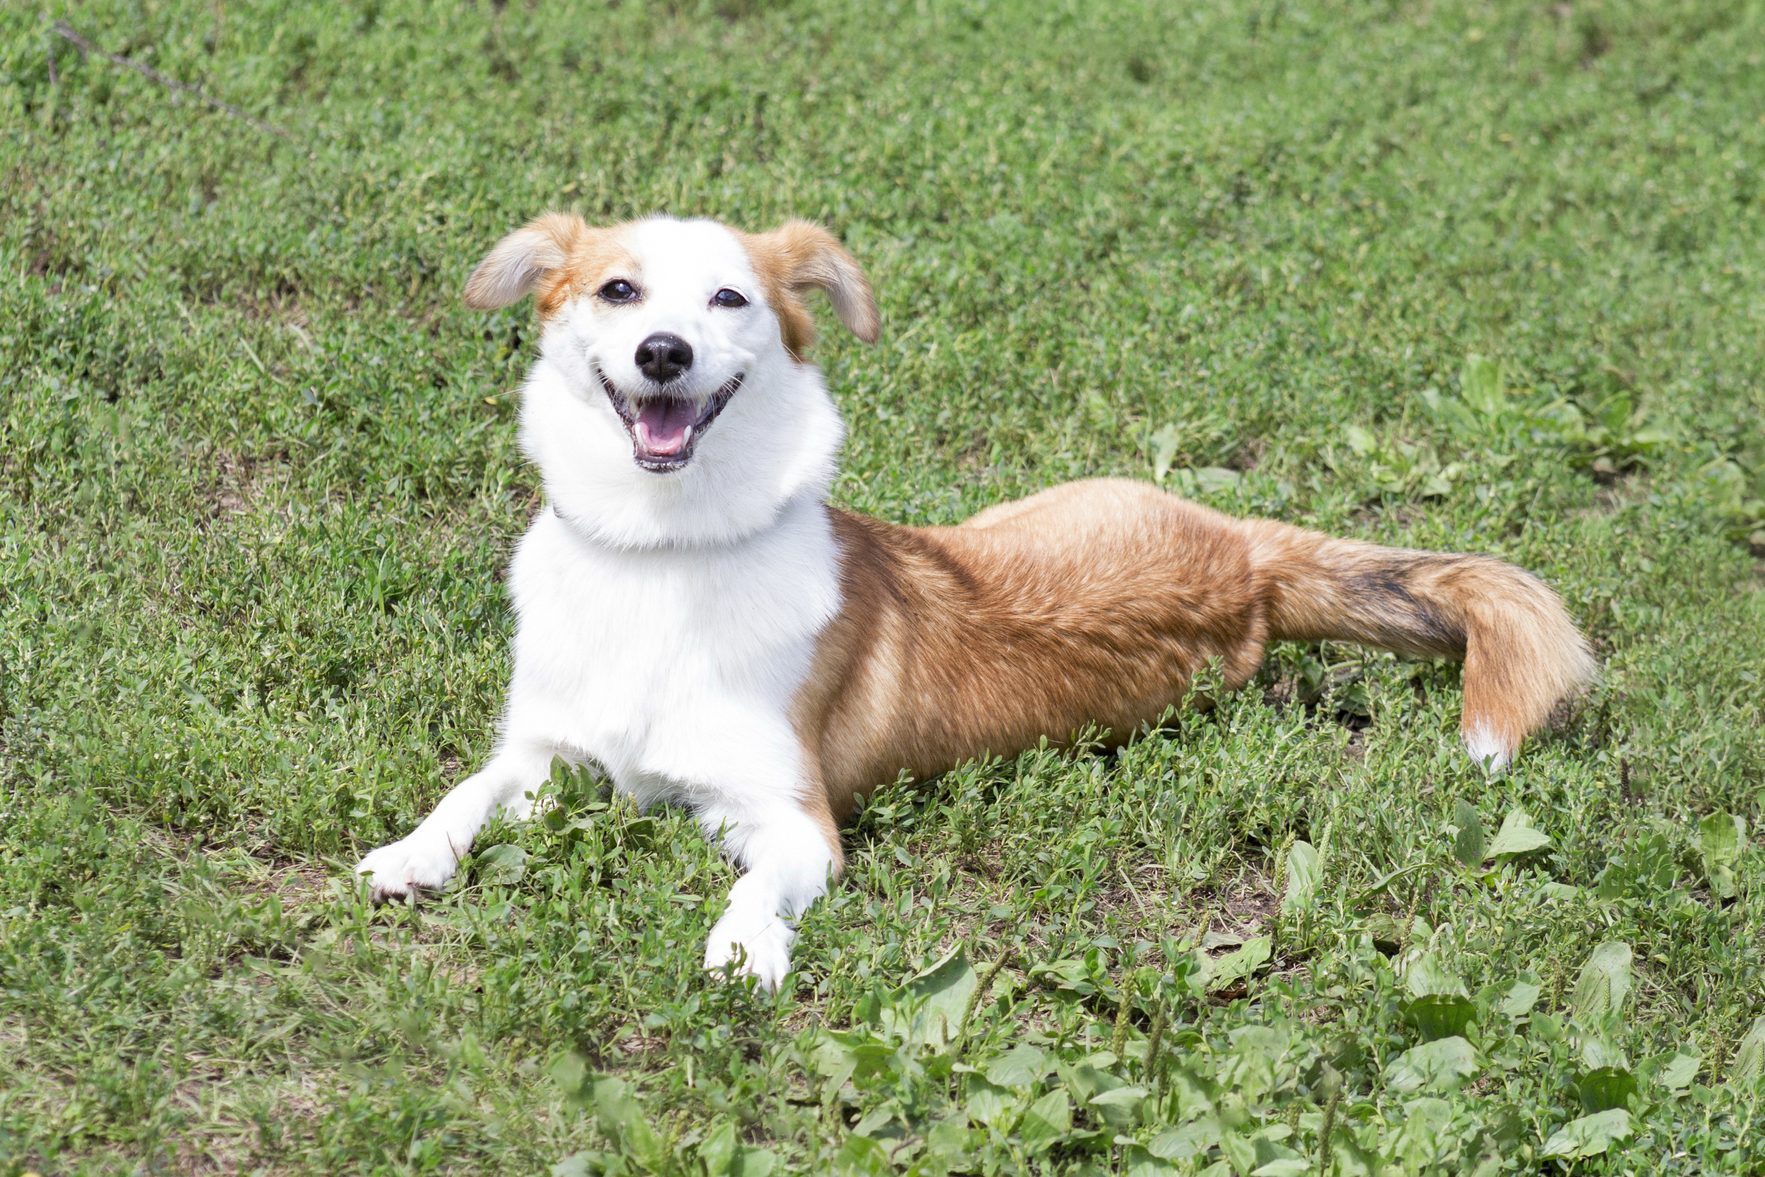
(1478, 276)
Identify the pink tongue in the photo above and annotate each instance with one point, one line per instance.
(663, 425)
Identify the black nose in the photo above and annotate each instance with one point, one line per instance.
(662, 357)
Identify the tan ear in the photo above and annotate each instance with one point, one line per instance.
(799, 256)
(518, 263)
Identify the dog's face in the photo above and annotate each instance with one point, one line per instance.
(671, 321)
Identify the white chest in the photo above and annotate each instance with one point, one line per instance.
(670, 666)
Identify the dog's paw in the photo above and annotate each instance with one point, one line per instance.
(420, 862)
(756, 944)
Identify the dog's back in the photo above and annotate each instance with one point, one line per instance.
(1098, 602)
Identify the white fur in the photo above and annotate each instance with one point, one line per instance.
(1487, 749)
(665, 622)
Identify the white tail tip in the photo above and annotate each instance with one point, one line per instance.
(1488, 749)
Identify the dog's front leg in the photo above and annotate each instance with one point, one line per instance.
(788, 851)
(427, 857)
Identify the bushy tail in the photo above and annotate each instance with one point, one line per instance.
(1522, 653)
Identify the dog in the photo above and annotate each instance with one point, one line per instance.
(696, 619)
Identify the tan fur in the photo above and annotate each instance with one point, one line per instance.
(1097, 602)
(797, 257)
(555, 257)
(1521, 651)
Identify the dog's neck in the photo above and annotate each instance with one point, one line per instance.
(776, 445)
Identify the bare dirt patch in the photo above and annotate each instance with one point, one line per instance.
(232, 486)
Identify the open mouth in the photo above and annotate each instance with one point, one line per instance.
(665, 428)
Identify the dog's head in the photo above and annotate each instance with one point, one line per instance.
(672, 323)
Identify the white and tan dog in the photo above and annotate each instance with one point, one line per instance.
(694, 617)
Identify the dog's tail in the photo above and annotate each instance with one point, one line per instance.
(1522, 653)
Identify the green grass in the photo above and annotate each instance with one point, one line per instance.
(1482, 276)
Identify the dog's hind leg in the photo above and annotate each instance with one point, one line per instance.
(427, 857)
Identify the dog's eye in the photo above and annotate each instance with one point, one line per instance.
(619, 290)
(729, 298)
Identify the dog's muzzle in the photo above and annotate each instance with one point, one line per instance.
(665, 427)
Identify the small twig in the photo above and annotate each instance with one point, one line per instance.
(67, 32)
(54, 74)
(1391, 878)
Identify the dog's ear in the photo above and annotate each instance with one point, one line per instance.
(520, 261)
(798, 256)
